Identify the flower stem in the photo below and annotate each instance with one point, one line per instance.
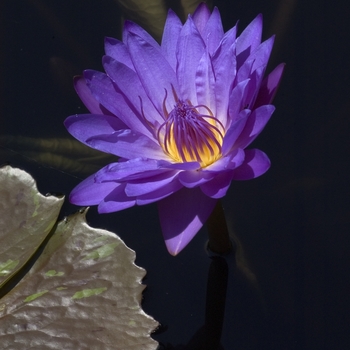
(219, 239)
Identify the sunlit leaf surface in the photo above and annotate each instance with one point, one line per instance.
(83, 292)
(26, 218)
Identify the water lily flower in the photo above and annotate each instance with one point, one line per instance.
(179, 116)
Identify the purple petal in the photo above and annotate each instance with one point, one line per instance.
(150, 184)
(255, 164)
(255, 124)
(131, 27)
(128, 84)
(217, 187)
(269, 86)
(182, 215)
(179, 166)
(234, 131)
(130, 170)
(171, 34)
(201, 16)
(224, 63)
(190, 50)
(89, 192)
(237, 96)
(85, 126)
(118, 50)
(104, 91)
(115, 201)
(249, 40)
(229, 162)
(194, 178)
(213, 31)
(155, 73)
(127, 144)
(159, 194)
(205, 83)
(262, 54)
(87, 98)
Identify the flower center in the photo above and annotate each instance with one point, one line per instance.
(187, 136)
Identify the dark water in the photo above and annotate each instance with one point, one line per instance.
(291, 289)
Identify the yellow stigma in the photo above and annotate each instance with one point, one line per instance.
(188, 136)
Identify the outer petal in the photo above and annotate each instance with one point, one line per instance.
(104, 91)
(182, 215)
(88, 192)
(151, 184)
(256, 163)
(229, 162)
(85, 126)
(128, 84)
(269, 86)
(87, 98)
(171, 34)
(218, 187)
(127, 144)
(116, 200)
(119, 51)
(234, 131)
(255, 124)
(249, 40)
(155, 73)
(134, 169)
(159, 194)
(194, 178)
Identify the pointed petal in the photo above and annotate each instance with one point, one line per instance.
(155, 73)
(262, 54)
(255, 124)
(224, 63)
(217, 187)
(194, 178)
(269, 86)
(131, 27)
(190, 50)
(131, 170)
(87, 98)
(182, 215)
(104, 91)
(128, 84)
(159, 194)
(115, 201)
(127, 144)
(150, 184)
(171, 34)
(205, 83)
(213, 31)
(255, 164)
(85, 126)
(118, 51)
(226, 163)
(89, 192)
(237, 97)
(249, 40)
(234, 131)
(201, 16)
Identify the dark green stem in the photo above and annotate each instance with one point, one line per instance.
(219, 239)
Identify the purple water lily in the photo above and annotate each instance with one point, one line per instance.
(179, 115)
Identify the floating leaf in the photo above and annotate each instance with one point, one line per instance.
(26, 218)
(83, 292)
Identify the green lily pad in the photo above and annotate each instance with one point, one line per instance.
(83, 292)
(26, 218)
